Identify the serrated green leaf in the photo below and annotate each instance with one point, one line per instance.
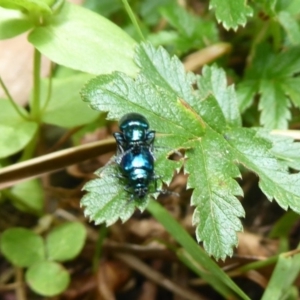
(284, 148)
(65, 241)
(166, 72)
(107, 201)
(47, 278)
(217, 210)
(12, 23)
(83, 40)
(16, 132)
(205, 108)
(205, 123)
(65, 107)
(291, 27)
(231, 13)
(255, 153)
(272, 75)
(161, 82)
(121, 95)
(213, 82)
(194, 32)
(274, 106)
(22, 247)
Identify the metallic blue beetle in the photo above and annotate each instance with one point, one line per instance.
(138, 169)
(134, 134)
(134, 156)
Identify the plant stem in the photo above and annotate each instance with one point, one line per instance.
(35, 108)
(99, 244)
(49, 91)
(133, 19)
(267, 262)
(31, 146)
(20, 291)
(13, 103)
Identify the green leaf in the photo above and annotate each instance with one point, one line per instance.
(217, 209)
(285, 273)
(16, 132)
(292, 87)
(65, 241)
(272, 76)
(246, 91)
(12, 23)
(47, 278)
(213, 82)
(255, 153)
(231, 13)
(83, 40)
(33, 7)
(149, 10)
(165, 72)
(206, 123)
(289, 23)
(274, 105)
(104, 7)
(107, 201)
(284, 148)
(28, 196)
(22, 247)
(65, 107)
(122, 94)
(163, 83)
(194, 32)
(293, 7)
(162, 38)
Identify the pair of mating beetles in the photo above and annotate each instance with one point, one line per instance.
(135, 154)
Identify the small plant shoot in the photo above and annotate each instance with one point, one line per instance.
(198, 113)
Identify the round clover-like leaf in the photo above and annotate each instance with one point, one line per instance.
(47, 278)
(65, 241)
(22, 247)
